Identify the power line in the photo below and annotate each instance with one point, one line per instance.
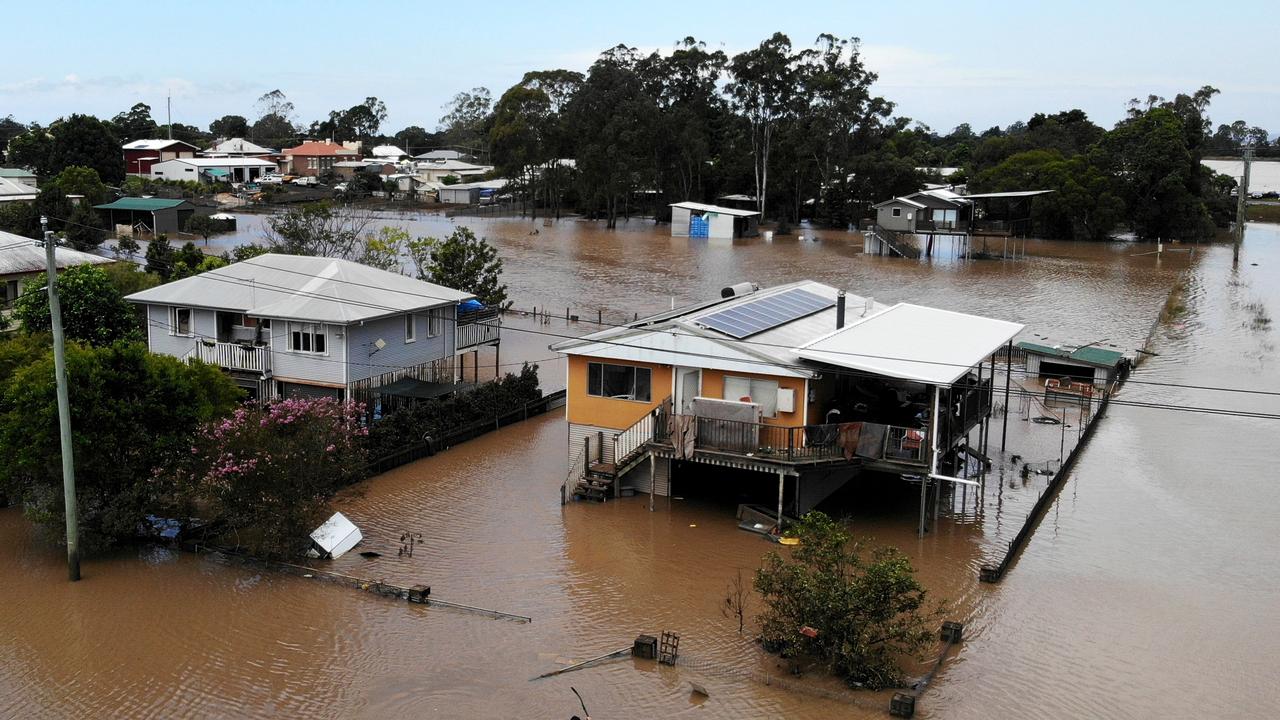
(841, 371)
(736, 341)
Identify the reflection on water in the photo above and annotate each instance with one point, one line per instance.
(1132, 599)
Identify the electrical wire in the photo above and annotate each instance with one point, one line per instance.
(763, 362)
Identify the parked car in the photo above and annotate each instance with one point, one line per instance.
(306, 180)
(271, 179)
(340, 187)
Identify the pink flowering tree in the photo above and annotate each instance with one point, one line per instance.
(269, 470)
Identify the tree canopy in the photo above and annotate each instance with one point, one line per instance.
(93, 311)
(462, 262)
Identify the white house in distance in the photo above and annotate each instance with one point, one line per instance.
(287, 325)
(213, 169)
(697, 220)
(470, 193)
(239, 147)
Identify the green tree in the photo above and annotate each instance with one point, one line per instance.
(762, 91)
(462, 262)
(127, 278)
(135, 415)
(415, 140)
(466, 116)
(93, 311)
(202, 225)
(32, 149)
(86, 141)
(274, 126)
(867, 608)
(160, 257)
(135, 124)
(229, 126)
(386, 248)
(269, 470)
(320, 229)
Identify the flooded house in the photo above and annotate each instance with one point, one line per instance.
(803, 384)
(699, 220)
(288, 325)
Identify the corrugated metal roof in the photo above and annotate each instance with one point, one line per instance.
(312, 148)
(1012, 194)
(702, 207)
(771, 347)
(303, 288)
(21, 255)
(222, 162)
(16, 173)
(240, 146)
(913, 342)
(1091, 355)
(156, 144)
(141, 204)
(14, 190)
(899, 201)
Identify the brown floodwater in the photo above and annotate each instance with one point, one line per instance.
(1149, 590)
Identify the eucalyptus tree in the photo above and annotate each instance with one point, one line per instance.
(763, 90)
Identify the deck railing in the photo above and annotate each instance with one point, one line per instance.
(477, 328)
(234, 356)
(787, 443)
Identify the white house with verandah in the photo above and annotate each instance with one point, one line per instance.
(284, 325)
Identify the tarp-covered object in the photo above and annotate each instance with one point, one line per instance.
(335, 537)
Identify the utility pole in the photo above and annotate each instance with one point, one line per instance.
(168, 112)
(64, 407)
(1242, 201)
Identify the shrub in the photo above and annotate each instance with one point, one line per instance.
(858, 613)
(269, 470)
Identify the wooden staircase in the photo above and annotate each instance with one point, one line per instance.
(599, 478)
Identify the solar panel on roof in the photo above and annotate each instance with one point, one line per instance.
(765, 313)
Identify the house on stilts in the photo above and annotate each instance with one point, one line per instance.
(802, 383)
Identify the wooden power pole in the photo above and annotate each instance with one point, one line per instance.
(1242, 202)
(64, 407)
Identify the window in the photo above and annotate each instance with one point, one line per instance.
(8, 291)
(620, 382)
(410, 328)
(307, 338)
(897, 212)
(313, 163)
(435, 322)
(180, 321)
(761, 392)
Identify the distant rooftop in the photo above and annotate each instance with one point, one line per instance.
(141, 204)
(21, 255)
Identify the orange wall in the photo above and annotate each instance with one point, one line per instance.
(584, 409)
(713, 387)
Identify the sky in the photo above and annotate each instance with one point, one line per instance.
(984, 63)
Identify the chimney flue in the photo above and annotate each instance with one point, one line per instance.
(840, 310)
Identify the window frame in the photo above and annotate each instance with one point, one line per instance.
(435, 322)
(751, 386)
(174, 323)
(310, 331)
(597, 369)
(897, 212)
(410, 329)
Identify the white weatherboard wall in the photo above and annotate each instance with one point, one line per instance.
(162, 341)
(638, 478)
(578, 432)
(175, 170)
(397, 353)
(720, 226)
(328, 369)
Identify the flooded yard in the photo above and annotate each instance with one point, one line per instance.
(1148, 590)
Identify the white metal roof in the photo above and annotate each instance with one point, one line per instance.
(913, 342)
(678, 346)
(13, 190)
(153, 144)
(687, 205)
(497, 184)
(771, 352)
(239, 146)
(1012, 194)
(204, 162)
(387, 151)
(900, 201)
(303, 288)
(21, 255)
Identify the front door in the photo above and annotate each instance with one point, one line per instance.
(688, 387)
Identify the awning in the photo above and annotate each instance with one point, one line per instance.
(913, 342)
(217, 172)
(420, 389)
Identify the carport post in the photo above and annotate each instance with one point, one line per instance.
(1008, 373)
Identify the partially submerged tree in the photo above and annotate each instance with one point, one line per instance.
(320, 229)
(858, 612)
(462, 262)
(270, 469)
(134, 415)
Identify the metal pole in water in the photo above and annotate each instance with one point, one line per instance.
(64, 408)
(1008, 373)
